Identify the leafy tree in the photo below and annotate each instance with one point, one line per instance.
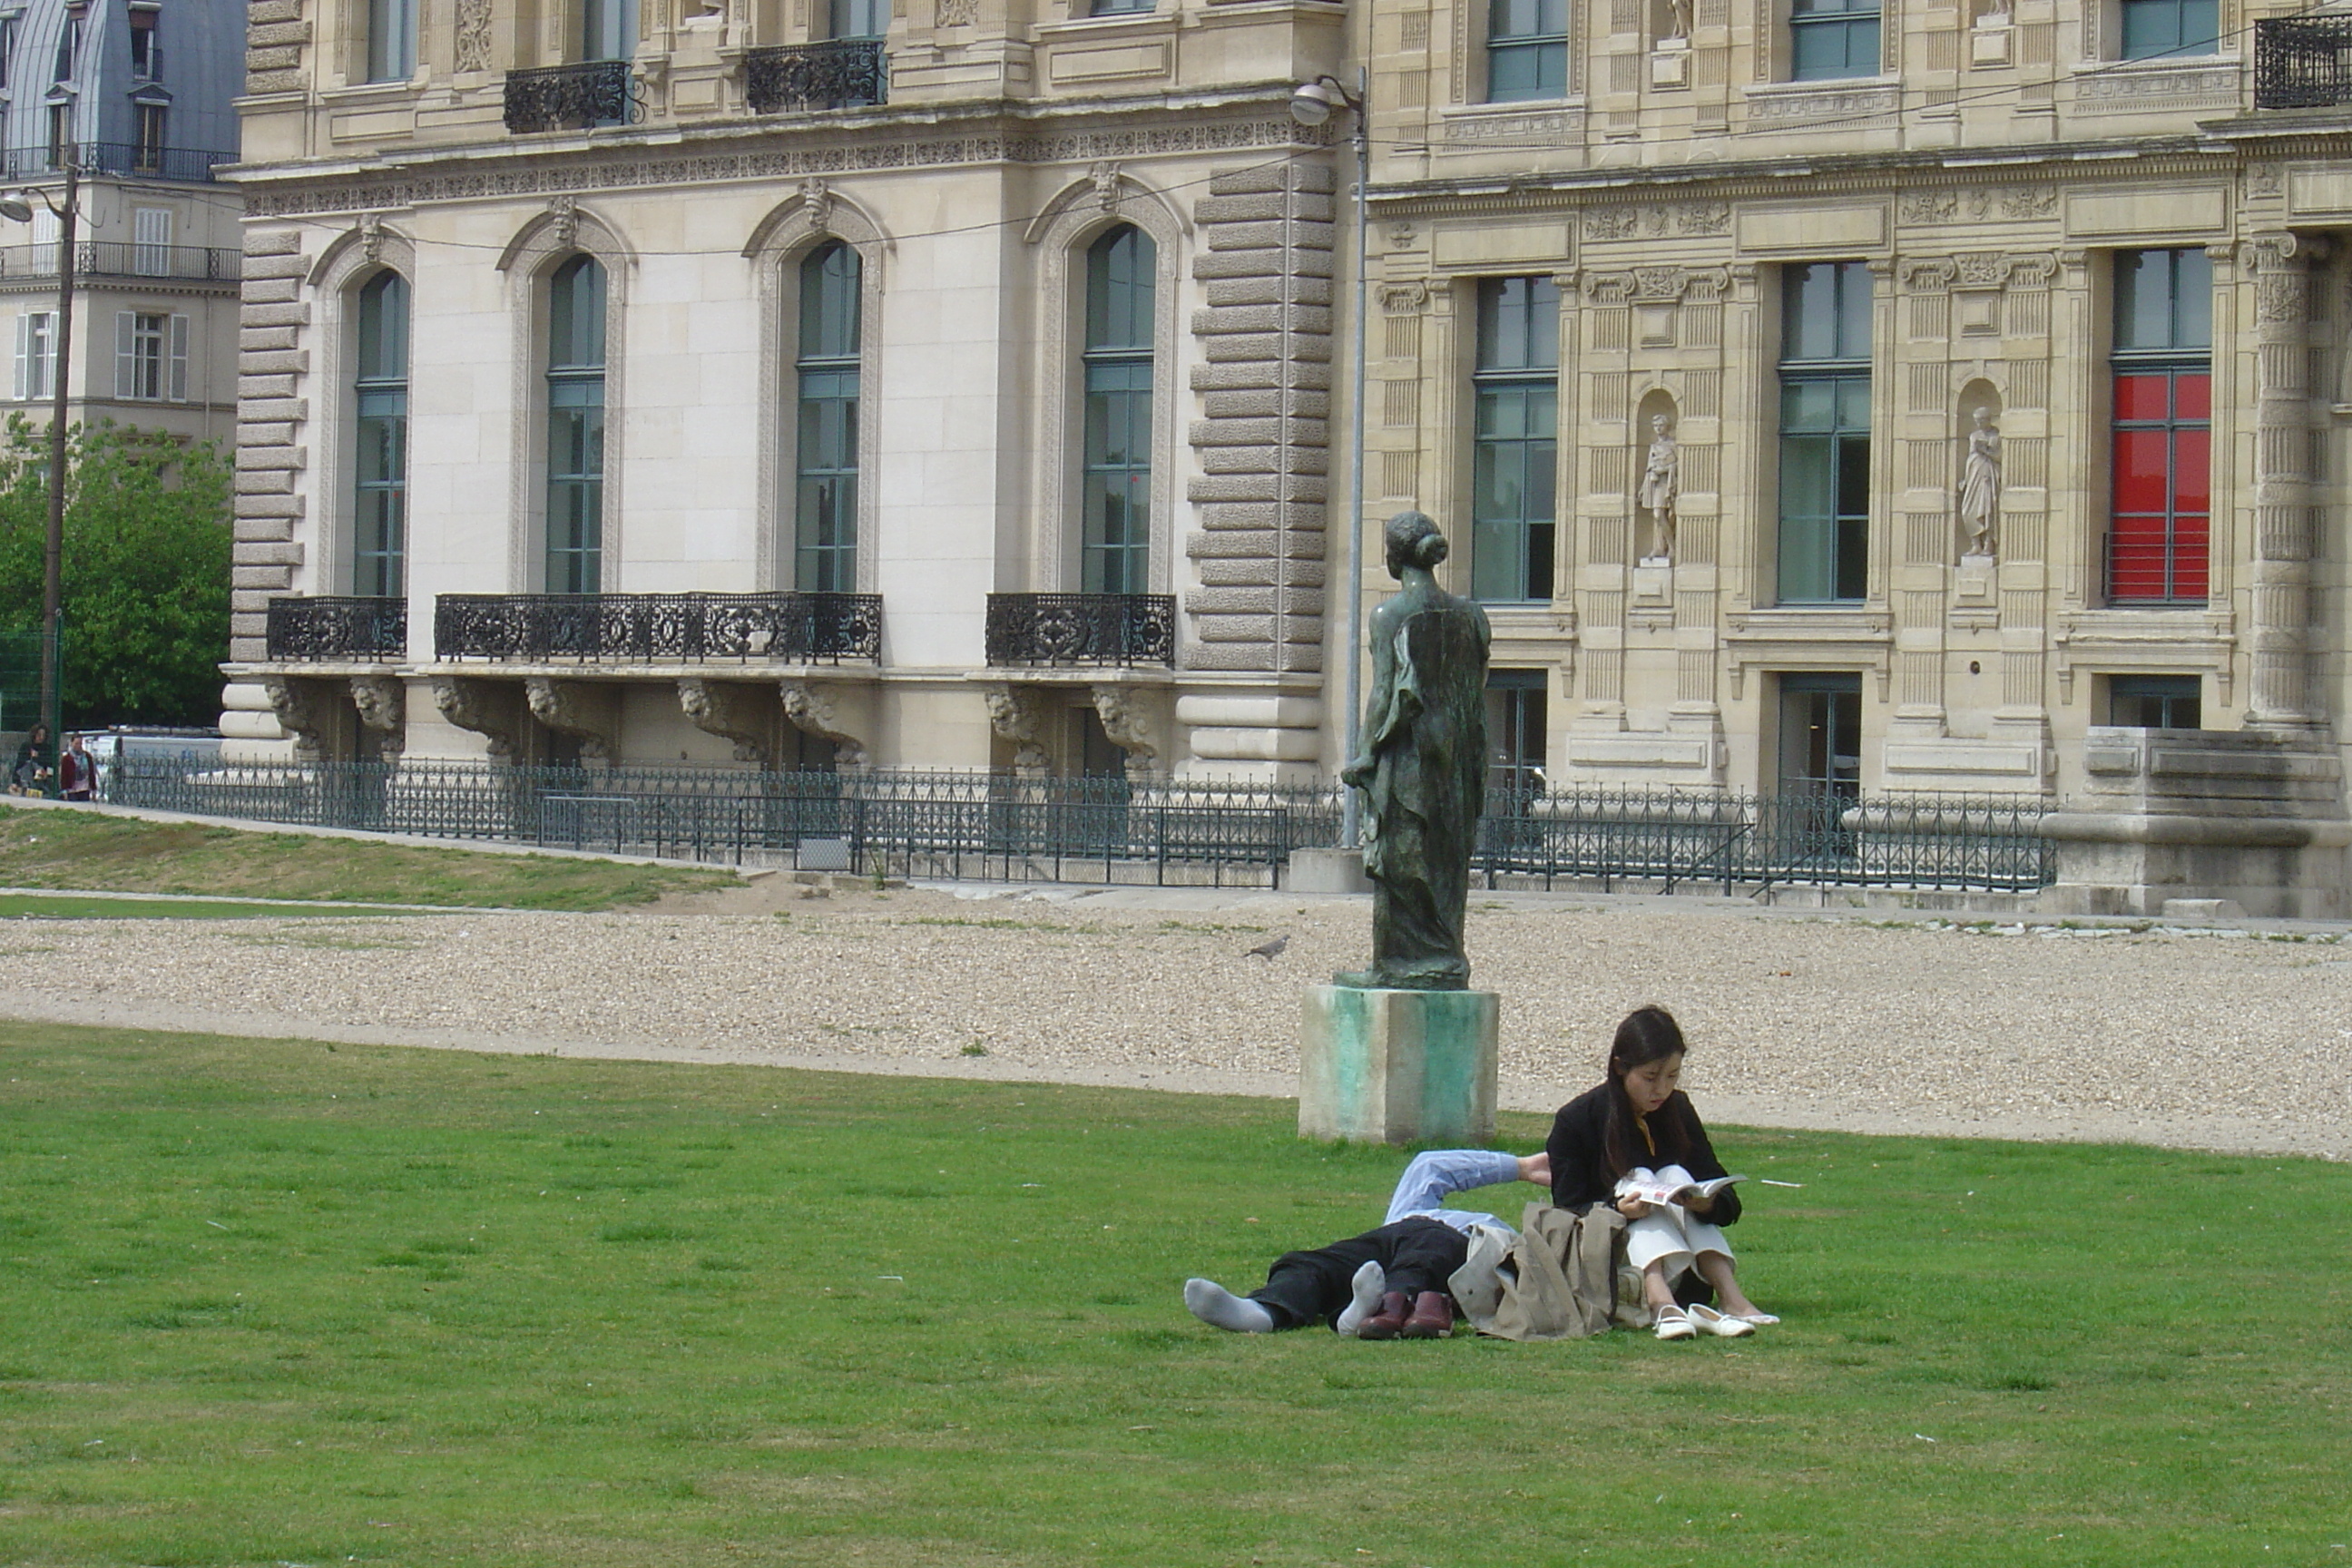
(147, 537)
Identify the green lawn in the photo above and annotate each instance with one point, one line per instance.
(89, 851)
(285, 1302)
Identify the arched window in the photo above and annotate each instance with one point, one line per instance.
(575, 428)
(380, 397)
(1116, 550)
(825, 495)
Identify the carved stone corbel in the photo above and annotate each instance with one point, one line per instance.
(296, 704)
(829, 714)
(1136, 719)
(383, 704)
(487, 708)
(570, 707)
(732, 712)
(1015, 713)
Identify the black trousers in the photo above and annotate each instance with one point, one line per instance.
(1313, 1287)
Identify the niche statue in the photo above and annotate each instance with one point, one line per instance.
(1422, 768)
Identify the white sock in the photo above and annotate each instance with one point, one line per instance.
(1213, 1304)
(1370, 1283)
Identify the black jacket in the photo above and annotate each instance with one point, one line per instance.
(1581, 1172)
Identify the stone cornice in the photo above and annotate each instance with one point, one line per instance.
(1816, 175)
(992, 133)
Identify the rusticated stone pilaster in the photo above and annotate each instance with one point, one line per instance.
(270, 453)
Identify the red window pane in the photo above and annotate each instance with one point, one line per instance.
(2143, 397)
(2192, 396)
(2188, 561)
(2192, 465)
(2136, 569)
(2142, 482)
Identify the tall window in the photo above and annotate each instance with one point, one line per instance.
(1117, 373)
(8, 30)
(68, 47)
(1515, 737)
(61, 133)
(2153, 28)
(608, 29)
(150, 237)
(1516, 438)
(1824, 432)
(154, 131)
(1829, 38)
(151, 357)
(146, 43)
(575, 428)
(825, 504)
(2159, 519)
(1526, 49)
(36, 355)
(859, 18)
(379, 552)
(391, 40)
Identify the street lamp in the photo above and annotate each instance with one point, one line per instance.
(1313, 103)
(18, 205)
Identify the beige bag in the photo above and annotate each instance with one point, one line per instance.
(1559, 1279)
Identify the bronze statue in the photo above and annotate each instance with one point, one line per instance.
(1422, 768)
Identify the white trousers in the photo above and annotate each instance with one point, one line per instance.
(1674, 1235)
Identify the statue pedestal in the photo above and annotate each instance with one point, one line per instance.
(1398, 1066)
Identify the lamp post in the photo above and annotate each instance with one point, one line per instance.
(1312, 104)
(18, 207)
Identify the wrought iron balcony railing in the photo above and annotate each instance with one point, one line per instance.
(189, 165)
(844, 73)
(115, 258)
(341, 631)
(646, 629)
(1081, 629)
(572, 97)
(2302, 62)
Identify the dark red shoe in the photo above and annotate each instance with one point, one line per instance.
(1388, 1321)
(1432, 1317)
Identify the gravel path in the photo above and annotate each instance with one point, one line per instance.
(2222, 1038)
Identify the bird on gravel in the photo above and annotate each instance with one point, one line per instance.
(1269, 951)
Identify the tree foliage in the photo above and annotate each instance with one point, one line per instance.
(146, 568)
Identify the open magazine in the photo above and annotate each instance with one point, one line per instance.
(1672, 1185)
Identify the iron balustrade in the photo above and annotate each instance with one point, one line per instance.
(1081, 629)
(641, 628)
(119, 259)
(348, 630)
(189, 165)
(2302, 62)
(1000, 827)
(572, 97)
(841, 73)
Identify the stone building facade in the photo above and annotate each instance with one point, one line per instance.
(1925, 387)
(941, 382)
(143, 101)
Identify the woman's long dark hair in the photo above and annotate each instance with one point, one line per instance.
(1648, 1034)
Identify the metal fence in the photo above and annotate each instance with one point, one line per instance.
(1000, 827)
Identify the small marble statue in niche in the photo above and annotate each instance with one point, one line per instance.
(1662, 486)
(1678, 25)
(1980, 484)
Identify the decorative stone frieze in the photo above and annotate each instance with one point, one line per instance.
(490, 708)
(826, 712)
(732, 710)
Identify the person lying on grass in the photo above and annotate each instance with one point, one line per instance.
(1388, 1283)
(1639, 1119)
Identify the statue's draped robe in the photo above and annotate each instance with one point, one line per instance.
(1427, 789)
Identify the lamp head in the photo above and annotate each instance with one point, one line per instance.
(15, 208)
(1312, 103)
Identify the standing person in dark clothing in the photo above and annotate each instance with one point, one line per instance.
(31, 770)
(1639, 1120)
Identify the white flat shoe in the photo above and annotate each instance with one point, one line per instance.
(1719, 1323)
(1673, 1324)
(1753, 1320)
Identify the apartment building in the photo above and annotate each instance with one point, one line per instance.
(138, 100)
